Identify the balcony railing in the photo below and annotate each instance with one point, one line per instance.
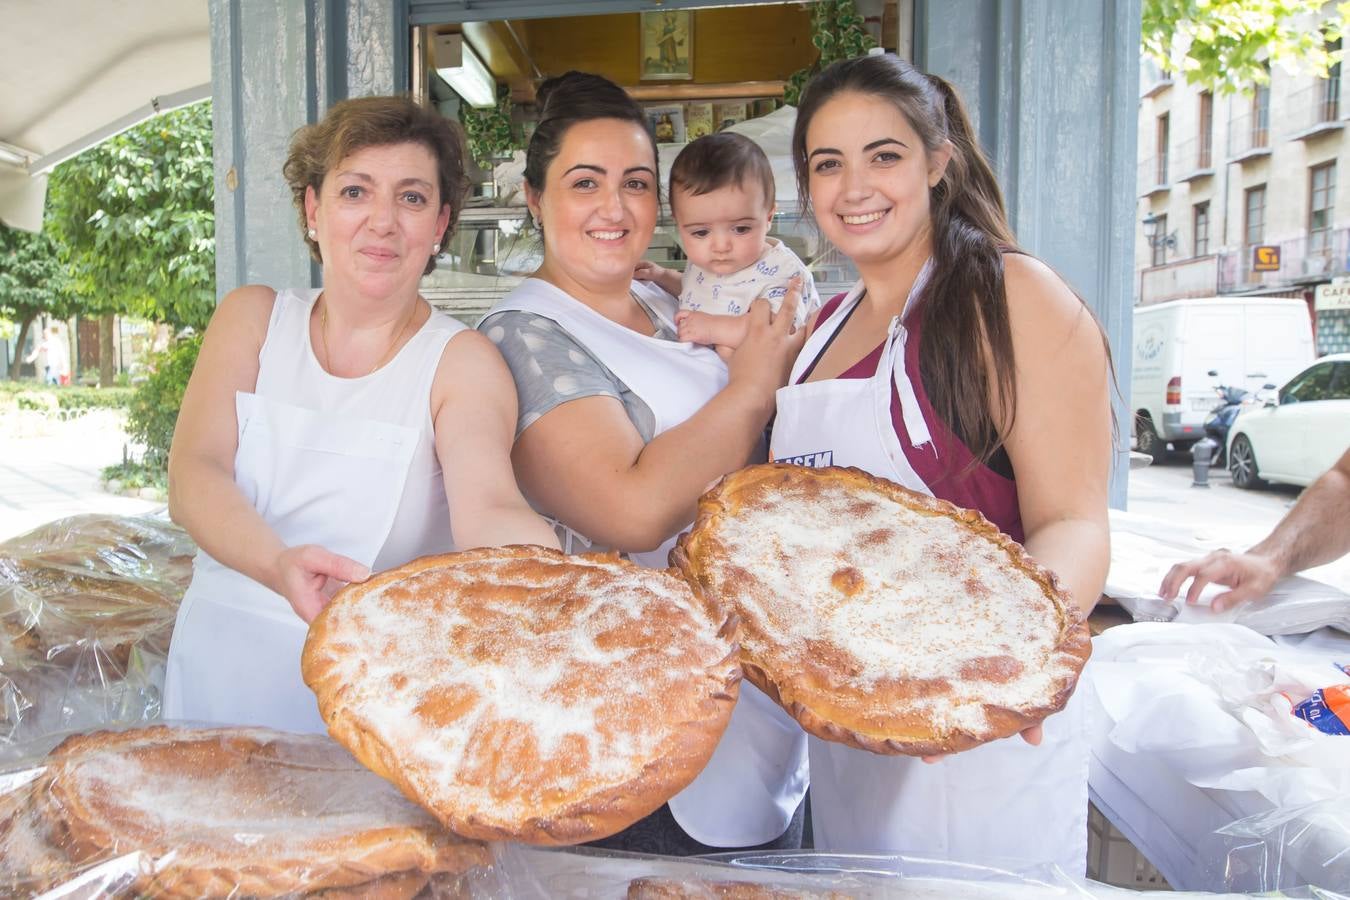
(1194, 158)
(1316, 108)
(1320, 256)
(1152, 175)
(1249, 134)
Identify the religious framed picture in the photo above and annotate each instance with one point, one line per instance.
(667, 45)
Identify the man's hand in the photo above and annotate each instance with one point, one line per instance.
(1249, 575)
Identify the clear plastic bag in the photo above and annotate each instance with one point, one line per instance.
(1298, 845)
(87, 606)
(182, 811)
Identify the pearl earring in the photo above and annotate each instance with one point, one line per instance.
(313, 235)
(435, 248)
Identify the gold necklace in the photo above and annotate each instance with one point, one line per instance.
(328, 357)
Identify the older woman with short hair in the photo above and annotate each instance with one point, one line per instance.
(327, 434)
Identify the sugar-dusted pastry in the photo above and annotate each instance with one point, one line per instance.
(879, 617)
(240, 812)
(521, 694)
(701, 889)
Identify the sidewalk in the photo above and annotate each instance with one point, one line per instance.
(49, 470)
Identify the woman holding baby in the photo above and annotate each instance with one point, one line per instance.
(622, 426)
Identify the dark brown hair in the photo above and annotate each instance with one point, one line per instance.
(353, 125)
(570, 99)
(724, 159)
(970, 237)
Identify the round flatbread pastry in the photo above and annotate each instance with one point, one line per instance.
(522, 694)
(879, 617)
(241, 812)
(703, 889)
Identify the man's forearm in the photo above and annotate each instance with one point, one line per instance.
(1317, 529)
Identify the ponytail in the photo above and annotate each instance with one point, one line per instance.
(977, 399)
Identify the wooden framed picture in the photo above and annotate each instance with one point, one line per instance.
(667, 45)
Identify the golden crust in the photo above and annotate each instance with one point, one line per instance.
(315, 820)
(818, 692)
(702, 889)
(572, 636)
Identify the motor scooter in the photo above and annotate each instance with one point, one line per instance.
(1220, 418)
(1232, 400)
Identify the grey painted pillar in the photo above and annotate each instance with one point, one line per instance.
(277, 65)
(1052, 89)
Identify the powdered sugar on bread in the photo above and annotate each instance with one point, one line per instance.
(906, 623)
(523, 693)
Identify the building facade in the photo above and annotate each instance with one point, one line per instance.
(1243, 195)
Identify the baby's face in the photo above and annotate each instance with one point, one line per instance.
(725, 230)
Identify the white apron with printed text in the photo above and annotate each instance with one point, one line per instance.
(1005, 802)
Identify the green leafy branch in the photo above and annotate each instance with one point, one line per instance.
(1228, 46)
(838, 32)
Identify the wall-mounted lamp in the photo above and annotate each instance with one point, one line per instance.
(1154, 239)
(464, 71)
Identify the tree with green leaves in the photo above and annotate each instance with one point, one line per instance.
(136, 214)
(33, 282)
(1228, 46)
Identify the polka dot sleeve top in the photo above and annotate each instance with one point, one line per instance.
(550, 368)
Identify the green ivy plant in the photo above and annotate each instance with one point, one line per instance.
(489, 130)
(838, 32)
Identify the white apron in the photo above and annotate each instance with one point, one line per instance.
(348, 464)
(1004, 802)
(757, 776)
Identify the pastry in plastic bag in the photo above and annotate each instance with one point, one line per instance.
(180, 812)
(700, 889)
(519, 693)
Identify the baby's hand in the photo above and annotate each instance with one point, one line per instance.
(666, 279)
(693, 327)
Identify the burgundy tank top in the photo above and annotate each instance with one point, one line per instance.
(942, 464)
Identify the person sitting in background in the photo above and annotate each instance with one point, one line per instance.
(1316, 531)
(328, 434)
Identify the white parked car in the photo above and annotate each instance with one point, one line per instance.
(1298, 435)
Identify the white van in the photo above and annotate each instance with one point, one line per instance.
(1249, 342)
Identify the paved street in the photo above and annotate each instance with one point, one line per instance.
(1222, 515)
(51, 469)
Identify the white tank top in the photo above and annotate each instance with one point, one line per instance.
(398, 394)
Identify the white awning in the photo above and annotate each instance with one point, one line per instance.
(74, 73)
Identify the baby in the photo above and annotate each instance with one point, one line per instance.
(721, 193)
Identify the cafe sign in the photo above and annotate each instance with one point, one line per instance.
(1334, 296)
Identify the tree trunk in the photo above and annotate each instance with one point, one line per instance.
(17, 361)
(107, 367)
